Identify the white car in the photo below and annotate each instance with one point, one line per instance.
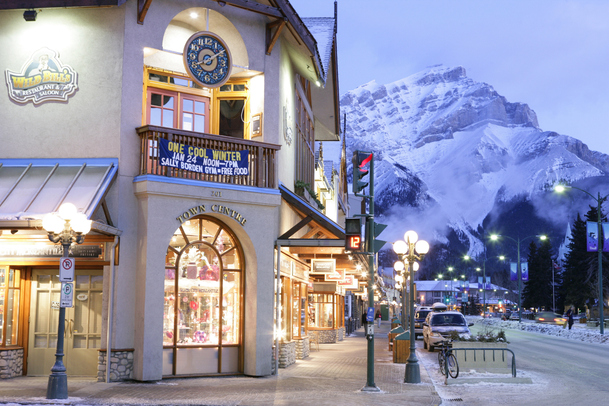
(439, 325)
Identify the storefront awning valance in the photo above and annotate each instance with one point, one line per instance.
(29, 189)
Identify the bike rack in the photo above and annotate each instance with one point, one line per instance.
(484, 350)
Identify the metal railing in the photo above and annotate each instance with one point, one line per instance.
(484, 350)
(262, 156)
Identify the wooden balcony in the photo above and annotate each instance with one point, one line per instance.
(262, 171)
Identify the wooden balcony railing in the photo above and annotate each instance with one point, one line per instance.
(261, 156)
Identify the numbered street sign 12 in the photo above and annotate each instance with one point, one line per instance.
(66, 270)
(67, 294)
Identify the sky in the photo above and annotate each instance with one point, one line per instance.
(550, 54)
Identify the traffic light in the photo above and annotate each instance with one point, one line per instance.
(353, 234)
(360, 159)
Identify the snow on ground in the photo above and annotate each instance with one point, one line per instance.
(578, 332)
(486, 393)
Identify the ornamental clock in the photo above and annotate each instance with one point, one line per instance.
(207, 59)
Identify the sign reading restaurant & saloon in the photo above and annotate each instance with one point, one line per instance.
(203, 160)
(42, 78)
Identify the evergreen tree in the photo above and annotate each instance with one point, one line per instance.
(537, 291)
(580, 268)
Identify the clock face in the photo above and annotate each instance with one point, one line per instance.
(207, 59)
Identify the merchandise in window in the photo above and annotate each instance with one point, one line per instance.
(10, 290)
(203, 286)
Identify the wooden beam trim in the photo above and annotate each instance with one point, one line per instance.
(142, 7)
(29, 4)
(297, 227)
(252, 6)
(271, 40)
(313, 231)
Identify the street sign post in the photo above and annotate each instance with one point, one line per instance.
(370, 315)
(67, 294)
(66, 270)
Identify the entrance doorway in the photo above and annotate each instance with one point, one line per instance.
(82, 337)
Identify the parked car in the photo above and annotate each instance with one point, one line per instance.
(419, 318)
(550, 318)
(514, 316)
(439, 325)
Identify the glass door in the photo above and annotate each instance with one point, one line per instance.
(82, 337)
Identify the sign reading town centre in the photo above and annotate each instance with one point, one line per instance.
(203, 160)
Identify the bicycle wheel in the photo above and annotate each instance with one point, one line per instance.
(453, 366)
(441, 363)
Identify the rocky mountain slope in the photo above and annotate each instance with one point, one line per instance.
(453, 158)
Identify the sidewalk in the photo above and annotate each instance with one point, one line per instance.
(333, 376)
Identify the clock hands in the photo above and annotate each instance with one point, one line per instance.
(210, 58)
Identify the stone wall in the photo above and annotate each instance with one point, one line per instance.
(287, 354)
(121, 366)
(341, 333)
(11, 363)
(302, 348)
(325, 336)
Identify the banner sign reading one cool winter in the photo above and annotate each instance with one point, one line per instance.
(203, 160)
(606, 237)
(42, 78)
(592, 238)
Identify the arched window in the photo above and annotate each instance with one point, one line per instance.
(202, 323)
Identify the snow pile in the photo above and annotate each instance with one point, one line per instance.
(579, 332)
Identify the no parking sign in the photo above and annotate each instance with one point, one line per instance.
(66, 270)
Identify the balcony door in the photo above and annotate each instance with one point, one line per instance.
(82, 338)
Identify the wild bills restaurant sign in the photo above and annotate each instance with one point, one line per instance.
(42, 78)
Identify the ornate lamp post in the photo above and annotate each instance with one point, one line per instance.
(64, 227)
(599, 205)
(495, 237)
(407, 252)
(401, 278)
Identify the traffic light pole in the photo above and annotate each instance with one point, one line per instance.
(370, 385)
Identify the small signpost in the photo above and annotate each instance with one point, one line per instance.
(370, 315)
(67, 294)
(66, 270)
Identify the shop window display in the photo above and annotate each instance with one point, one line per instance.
(10, 283)
(203, 287)
(321, 310)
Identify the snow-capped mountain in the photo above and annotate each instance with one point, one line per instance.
(450, 153)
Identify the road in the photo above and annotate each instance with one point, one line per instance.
(563, 372)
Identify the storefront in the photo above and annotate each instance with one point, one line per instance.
(191, 121)
(293, 331)
(203, 307)
(29, 304)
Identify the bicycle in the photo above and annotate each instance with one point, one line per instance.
(447, 360)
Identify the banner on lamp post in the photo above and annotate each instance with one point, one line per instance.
(591, 237)
(606, 237)
(524, 271)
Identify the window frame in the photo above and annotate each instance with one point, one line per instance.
(213, 96)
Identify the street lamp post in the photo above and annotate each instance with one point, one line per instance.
(399, 278)
(407, 252)
(467, 258)
(65, 227)
(495, 237)
(599, 204)
(450, 269)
